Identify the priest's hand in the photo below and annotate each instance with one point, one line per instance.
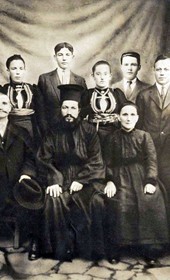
(24, 177)
(54, 190)
(110, 189)
(75, 187)
(149, 188)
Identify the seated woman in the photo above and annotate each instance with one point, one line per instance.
(25, 98)
(101, 104)
(135, 212)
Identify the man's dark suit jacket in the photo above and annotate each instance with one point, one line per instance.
(48, 84)
(138, 87)
(155, 118)
(16, 158)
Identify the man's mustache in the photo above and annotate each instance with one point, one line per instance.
(69, 115)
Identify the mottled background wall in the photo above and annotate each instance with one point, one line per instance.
(98, 29)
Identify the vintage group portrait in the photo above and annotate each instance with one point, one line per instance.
(85, 139)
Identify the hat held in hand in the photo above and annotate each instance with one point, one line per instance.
(29, 194)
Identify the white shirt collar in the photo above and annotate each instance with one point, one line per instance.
(3, 126)
(159, 87)
(60, 70)
(133, 81)
(66, 75)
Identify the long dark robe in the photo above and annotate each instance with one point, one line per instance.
(130, 217)
(67, 156)
(140, 218)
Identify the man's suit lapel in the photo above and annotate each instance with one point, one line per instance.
(154, 95)
(73, 78)
(136, 90)
(137, 87)
(55, 82)
(120, 85)
(167, 99)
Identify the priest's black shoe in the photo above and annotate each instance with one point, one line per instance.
(114, 260)
(34, 252)
(152, 263)
(68, 257)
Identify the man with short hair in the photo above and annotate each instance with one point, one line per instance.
(71, 167)
(48, 83)
(130, 84)
(154, 116)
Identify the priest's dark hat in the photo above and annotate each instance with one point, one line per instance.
(70, 92)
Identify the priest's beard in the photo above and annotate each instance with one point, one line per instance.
(70, 125)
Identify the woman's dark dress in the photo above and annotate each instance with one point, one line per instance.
(130, 217)
(131, 164)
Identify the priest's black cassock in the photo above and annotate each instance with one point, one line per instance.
(66, 155)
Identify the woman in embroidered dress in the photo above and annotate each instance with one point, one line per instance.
(102, 103)
(25, 98)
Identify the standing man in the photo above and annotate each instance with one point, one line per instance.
(48, 83)
(71, 168)
(154, 116)
(130, 84)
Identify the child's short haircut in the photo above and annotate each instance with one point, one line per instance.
(100, 62)
(132, 54)
(62, 45)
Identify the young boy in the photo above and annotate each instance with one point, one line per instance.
(102, 103)
(48, 83)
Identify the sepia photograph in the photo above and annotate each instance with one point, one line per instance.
(85, 140)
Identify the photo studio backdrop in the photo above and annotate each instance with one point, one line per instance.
(98, 29)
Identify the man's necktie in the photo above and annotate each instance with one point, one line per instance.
(162, 95)
(19, 97)
(128, 89)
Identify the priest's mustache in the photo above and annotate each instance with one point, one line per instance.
(69, 115)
